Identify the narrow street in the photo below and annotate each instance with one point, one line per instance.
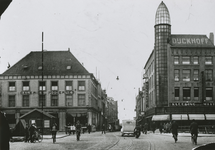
(114, 141)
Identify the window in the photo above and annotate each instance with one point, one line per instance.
(25, 86)
(208, 75)
(195, 60)
(42, 86)
(69, 100)
(11, 99)
(42, 100)
(208, 60)
(186, 94)
(25, 100)
(185, 60)
(81, 99)
(12, 86)
(186, 75)
(81, 85)
(176, 93)
(176, 60)
(209, 94)
(54, 85)
(196, 93)
(68, 85)
(176, 72)
(54, 100)
(195, 75)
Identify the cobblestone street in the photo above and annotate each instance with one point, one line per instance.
(114, 141)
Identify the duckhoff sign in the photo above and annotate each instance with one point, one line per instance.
(191, 41)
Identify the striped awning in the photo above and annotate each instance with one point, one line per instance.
(179, 117)
(196, 116)
(160, 118)
(210, 116)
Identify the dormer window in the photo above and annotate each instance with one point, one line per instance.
(68, 67)
(40, 68)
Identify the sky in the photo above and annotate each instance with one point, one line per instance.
(110, 37)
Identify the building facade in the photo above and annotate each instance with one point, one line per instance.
(179, 75)
(56, 83)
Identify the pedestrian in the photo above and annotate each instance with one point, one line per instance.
(194, 131)
(153, 127)
(103, 128)
(78, 130)
(32, 130)
(89, 128)
(5, 133)
(174, 128)
(54, 132)
(145, 128)
(161, 128)
(72, 129)
(26, 133)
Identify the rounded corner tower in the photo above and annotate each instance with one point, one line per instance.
(162, 34)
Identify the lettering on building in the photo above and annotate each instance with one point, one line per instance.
(190, 41)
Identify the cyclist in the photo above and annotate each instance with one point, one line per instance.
(194, 131)
(54, 132)
(78, 130)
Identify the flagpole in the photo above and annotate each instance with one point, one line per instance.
(42, 87)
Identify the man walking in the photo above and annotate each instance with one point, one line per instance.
(174, 128)
(103, 128)
(194, 131)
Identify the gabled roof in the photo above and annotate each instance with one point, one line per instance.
(187, 40)
(54, 63)
(40, 111)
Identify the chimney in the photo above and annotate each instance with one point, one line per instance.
(211, 37)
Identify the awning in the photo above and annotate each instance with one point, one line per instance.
(160, 118)
(210, 116)
(196, 116)
(179, 117)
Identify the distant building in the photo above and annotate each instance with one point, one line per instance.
(179, 75)
(57, 85)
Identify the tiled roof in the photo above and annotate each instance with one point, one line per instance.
(54, 63)
(183, 40)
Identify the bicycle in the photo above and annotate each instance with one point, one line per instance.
(37, 137)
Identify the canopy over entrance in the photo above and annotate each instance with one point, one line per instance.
(160, 118)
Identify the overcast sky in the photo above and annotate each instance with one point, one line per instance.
(110, 37)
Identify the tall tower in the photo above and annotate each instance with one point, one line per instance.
(162, 34)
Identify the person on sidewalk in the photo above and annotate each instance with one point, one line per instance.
(145, 128)
(103, 128)
(161, 128)
(89, 128)
(153, 127)
(174, 128)
(5, 133)
(54, 132)
(194, 131)
(26, 133)
(32, 130)
(78, 130)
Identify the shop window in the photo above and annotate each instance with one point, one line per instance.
(176, 59)
(54, 85)
(54, 100)
(195, 60)
(208, 75)
(176, 93)
(209, 94)
(186, 94)
(185, 60)
(12, 86)
(11, 99)
(25, 100)
(25, 86)
(208, 60)
(81, 99)
(196, 93)
(68, 85)
(81, 85)
(196, 75)
(42, 86)
(186, 75)
(176, 74)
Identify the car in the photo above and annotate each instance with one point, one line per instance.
(128, 127)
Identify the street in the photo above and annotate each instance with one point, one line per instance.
(114, 141)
